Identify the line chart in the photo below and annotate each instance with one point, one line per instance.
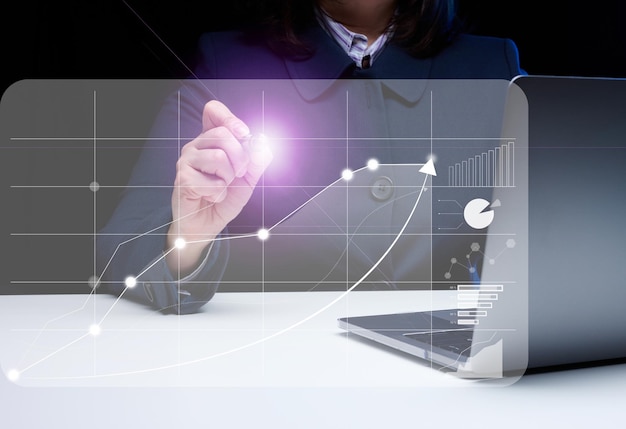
(427, 169)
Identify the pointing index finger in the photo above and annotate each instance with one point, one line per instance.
(216, 114)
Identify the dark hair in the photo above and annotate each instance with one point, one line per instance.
(422, 27)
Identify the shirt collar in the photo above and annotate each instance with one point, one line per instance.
(353, 44)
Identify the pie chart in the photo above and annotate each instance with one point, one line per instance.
(475, 214)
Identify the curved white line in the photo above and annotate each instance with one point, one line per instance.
(276, 334)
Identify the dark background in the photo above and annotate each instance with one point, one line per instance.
(133, 38)
(157, 39)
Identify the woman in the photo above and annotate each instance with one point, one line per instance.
(216, 174)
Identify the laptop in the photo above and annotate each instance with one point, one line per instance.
(573, 311)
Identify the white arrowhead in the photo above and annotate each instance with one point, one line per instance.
(429, 168)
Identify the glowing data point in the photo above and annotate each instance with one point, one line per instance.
(372, 164)
(95, 330)
(13, 375)
(130, 282)
(180, 243)
(94, 186)
(263, 234)
(347, 174)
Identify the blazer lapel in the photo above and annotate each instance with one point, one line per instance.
(404, 75)
(314, 75)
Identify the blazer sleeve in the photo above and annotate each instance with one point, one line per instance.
(477, 57)
(132, 244)
(511, 53)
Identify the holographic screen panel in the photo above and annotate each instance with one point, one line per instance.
(383, 196)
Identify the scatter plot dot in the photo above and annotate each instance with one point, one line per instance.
(13, 375)
(372, 164)
(263, 234)
(93, 282)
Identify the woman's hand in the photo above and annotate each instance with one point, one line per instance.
(215, 177)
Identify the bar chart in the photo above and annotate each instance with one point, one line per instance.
(493, 168)
(474, 302)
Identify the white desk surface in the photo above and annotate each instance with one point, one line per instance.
(268, 360)
(238, 340)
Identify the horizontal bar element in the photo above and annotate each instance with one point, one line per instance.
(467, 322)
(484, 288)
(477, 296)
(470, 305)
(471, 313)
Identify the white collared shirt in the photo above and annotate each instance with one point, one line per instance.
(354, 44)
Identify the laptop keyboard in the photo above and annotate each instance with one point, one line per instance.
(455, 340)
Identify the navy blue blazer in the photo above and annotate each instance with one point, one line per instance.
(140, 221)
(229, 55)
